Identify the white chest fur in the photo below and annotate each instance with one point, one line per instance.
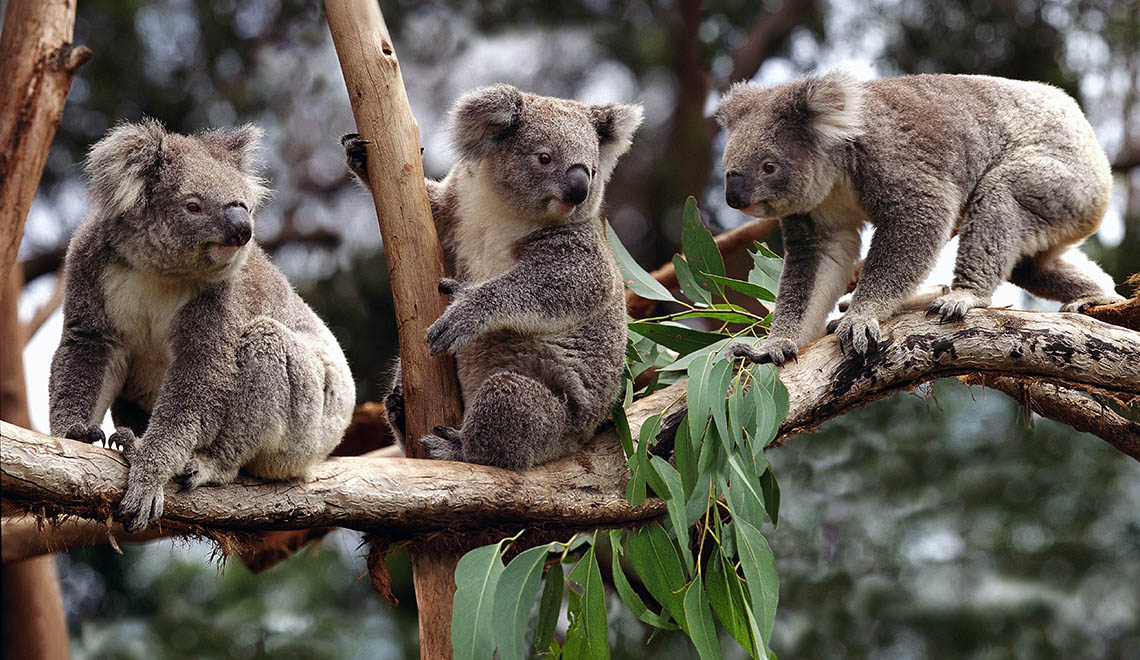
(143, 309)
(487, 230)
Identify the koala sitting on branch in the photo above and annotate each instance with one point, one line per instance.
(1012, 167)
(537, 313)
(177, 321)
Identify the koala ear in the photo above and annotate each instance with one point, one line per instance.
(832, 105)
(483, 117)
(736, 102)
(239, 145)
(123, 163)
(615, 125)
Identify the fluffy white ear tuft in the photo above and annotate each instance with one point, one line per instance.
(615, 125)
(833, 106)
(736, 102)
(483, 117)
(120, 165)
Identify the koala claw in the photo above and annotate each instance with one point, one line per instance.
(450, 331)
(394, 407)
(444, 447)
(141, 504)
(954, 305)
(776, 350)
(85, 433)
(126, 439)
(859, 332)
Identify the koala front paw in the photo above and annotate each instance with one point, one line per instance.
(142, 501)
(454, 328)
(356, 154)
(859, 332)
(774, 349)
(446, 445)
(954, 305)
(127, 441)
(85, 433)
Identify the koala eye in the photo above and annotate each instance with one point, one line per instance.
(544, 158)
(193, 207)
(769, 167)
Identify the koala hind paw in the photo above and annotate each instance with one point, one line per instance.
(141, 504)
(85, 433)
(858, 332)
(447, 445)
(775, 350)
(1084, 302)
(954, 305)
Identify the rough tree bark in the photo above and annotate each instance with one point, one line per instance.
(415, 265)
(37, 64)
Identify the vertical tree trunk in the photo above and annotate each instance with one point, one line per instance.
(415, 265)
(34, 625)
(37, 64)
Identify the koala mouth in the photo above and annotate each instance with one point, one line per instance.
(220, 253)
(558, 207)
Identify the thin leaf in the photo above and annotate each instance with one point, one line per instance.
(697, 395)
(514, 595)
(476, 576)
(747, 288)
(771, 490)
(690, 282)
(685, 457)
(674, 495)
(549, 608)
(676, 337)
(718, 384)
(621, 423)
(700, 248)
(593, 611)
(638, 281)
(760, 570)
(725, 315)
(702, 631)
(683, 363)
(626, 592)
(726, 595)
(766, 268)
(656, 561)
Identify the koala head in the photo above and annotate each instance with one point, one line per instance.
(785, 143)
(549, 158)
(179, 206)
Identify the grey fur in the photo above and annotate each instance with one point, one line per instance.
(1012, 167)
(537, 313)
(178, 322)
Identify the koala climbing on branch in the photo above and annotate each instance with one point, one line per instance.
(1012, 167)
(537, 313)
(177, 321)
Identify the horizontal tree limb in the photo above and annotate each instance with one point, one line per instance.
(405, 499)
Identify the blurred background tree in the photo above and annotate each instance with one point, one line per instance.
(934, 526)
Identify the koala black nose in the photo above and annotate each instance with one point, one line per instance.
(238, 227)
(736, 191)
(576, 185)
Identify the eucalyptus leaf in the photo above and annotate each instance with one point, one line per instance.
(676, 337)
(476, 576)
(593, 605)
(674, 495)
(765, 269)
(626, 592)
(690, 282)
(697, 395)
(719, 379)
(635, 277)
(760, 570)
(771, 490)
(657, 562)
(550, 606)
(747, 288)
(726, 596)
(514, 595)
(702, 631)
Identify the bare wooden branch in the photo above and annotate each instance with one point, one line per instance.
(1075, 408)
(737, 238)
(37, 64)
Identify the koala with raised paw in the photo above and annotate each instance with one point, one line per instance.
(1012, 167)
(537, 313)
(177, 321)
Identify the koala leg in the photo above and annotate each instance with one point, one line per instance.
(282, 415)
(1069, 277)
(988, 248)
(513, 422)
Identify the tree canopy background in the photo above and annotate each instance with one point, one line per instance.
(935, 524)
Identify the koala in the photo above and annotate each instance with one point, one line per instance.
(537, 313)
(177, 321)
(1012, 167)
